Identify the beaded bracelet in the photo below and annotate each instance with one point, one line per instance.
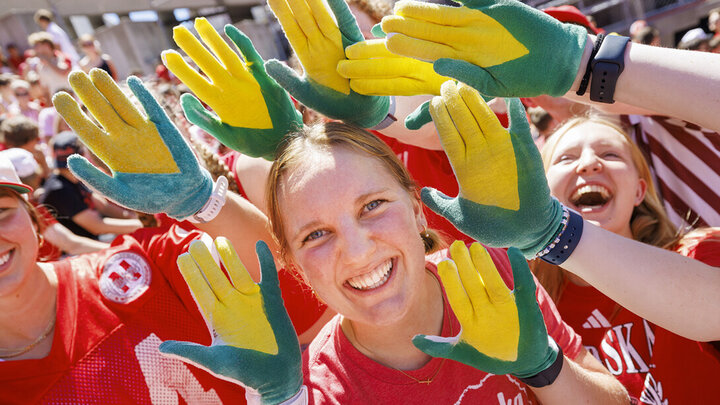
(566, 240)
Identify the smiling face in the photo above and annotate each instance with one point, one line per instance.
(591, 170)
(18, 243)
(353, 231)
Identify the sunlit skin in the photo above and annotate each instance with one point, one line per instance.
(17, 237)
(595, 154)
(345, 216)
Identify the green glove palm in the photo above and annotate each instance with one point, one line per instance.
(254, 112)
(503, 48)
(504, 198)
(254, 343)
(503, 331)
(320, 44)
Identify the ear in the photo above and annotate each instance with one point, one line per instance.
(640, 192)
(419, 213)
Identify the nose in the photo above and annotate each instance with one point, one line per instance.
(356, 243)
(588, 163)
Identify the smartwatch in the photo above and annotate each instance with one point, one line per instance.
(607, 65)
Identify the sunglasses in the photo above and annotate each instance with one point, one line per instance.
(22, 94)
(84, 44)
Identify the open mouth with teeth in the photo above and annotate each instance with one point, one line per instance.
(373, 279)
(590, 197)
(5, 257)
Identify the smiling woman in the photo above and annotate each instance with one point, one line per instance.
(594, 168)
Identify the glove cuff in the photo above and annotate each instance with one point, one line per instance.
(389, 119)
(550, 368)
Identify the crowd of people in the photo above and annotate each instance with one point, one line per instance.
(437, 204)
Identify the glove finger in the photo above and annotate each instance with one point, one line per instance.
(118, 100)
(305, 19)
(98, 106)
(220, 48)
(468, 73)
(236, 269)
(179, 149)
(290, 26)
(92, 136)
(288, 79)
(462, 119)
(434, 346)
(203, 295)
(399, 86)
(346, 22)
(322, 17)
(519, 124)
(471, 281)
(495, 286)
(198, 83)
(95, 178)
(380, 68)
(487, 121)
(269, 281)
(436, 201)
(427, 51)
(524, 283)
(198, 115)
(454, 289)
(253, 60)
(199, 54)
(420, 30)
(377, 31)
(371, 48)
(419, 117)
(450, 138)
(429, 12)
(216, 279)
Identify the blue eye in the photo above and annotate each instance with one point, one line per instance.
(373, 204)
(314, 235)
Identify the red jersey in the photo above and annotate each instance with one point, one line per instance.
(114, 308)
(655, 365)
(337, 373)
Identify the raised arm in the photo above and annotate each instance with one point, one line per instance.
(505, 201)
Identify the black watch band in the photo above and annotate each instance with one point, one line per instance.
(607, 65)
(547, 376)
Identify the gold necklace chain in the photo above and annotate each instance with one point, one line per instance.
(427, 380)
(7, 354)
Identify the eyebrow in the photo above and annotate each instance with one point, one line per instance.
(360, 199)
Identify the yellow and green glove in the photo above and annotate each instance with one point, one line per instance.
(503, 48)
(153, 168)
(373, 70)
(503, 331)
(253, 341)
(253, 112)
(320, 43)
(504, 198)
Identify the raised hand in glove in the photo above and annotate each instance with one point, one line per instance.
(503, 331)
(319, 42)
(503, 48)
(254, 343)
(504, 198)
(253, 112)
(153, 168)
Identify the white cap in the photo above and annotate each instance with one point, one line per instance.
(24, 162)
(9, 178)
(693, 35)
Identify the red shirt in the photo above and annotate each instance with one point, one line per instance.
(114, 308)
(337, 373)
(655, 365)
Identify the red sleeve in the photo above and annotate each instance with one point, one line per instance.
(704, 247)
(562, 333)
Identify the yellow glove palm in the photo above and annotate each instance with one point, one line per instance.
(432, 31)
(479, 148)
(234, 312)
(130, 142)
(228, 79)
(375, 71)
(315, 38)
(482, 302)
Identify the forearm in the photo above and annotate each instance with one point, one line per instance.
(669, 81)
(583, 386)
(243, 224)
(119, 226)
(70, 243)
(666, 288)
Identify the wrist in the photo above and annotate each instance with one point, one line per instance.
(214, 204)
(587, 52)
(549, 369)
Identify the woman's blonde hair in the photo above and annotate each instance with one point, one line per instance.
(326, 136)
(649, 222)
